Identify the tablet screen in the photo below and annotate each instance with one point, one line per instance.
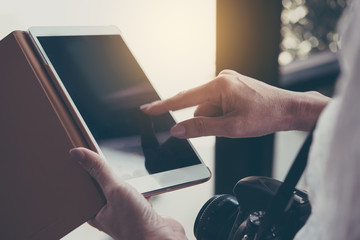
(107, 86)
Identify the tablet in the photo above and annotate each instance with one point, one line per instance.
(105, 86)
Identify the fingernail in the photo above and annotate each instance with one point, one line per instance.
(145, 106)
(77, 154)
(178, 131)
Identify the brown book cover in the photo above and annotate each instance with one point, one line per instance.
(44, 193)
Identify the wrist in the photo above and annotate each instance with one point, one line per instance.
(303, 109)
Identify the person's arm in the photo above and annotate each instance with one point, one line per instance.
(127, 214)
(233, 105)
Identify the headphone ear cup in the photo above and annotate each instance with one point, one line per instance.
(216, 218)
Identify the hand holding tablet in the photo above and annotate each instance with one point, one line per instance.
(127, 214)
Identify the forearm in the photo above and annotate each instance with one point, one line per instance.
(303, 109)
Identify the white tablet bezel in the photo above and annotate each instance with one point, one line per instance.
(147, 185)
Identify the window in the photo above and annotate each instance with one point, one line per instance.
(309, 27)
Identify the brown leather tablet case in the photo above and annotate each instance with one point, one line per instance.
(44, 193)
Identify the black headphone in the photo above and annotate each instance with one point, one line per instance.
(262, 208)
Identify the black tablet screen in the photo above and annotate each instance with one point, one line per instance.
(107, 86)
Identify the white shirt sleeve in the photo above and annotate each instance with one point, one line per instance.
(333, 172)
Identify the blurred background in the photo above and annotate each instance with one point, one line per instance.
(182, 44)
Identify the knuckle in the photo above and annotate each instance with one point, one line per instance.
(227, 72)
(181, 94)
(113, 194)
(200, 126)
(96, 168)
(222, 83)
(118, 193)
(175, 100)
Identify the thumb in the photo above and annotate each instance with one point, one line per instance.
(95, 166)
(200, 126)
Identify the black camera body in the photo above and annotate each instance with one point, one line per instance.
(225, 217)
